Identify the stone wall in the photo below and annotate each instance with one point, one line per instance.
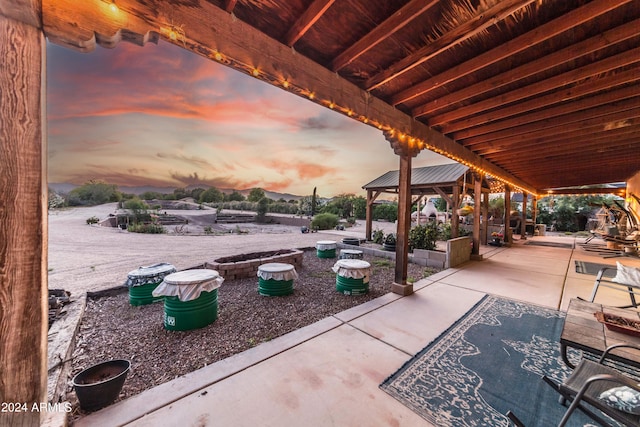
(249, 268)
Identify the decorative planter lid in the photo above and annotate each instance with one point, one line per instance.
(352, 268)
(277, 271)
(149, 274)
(323, 245)
(188, 284)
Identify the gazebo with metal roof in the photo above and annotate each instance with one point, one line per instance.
(450, 181)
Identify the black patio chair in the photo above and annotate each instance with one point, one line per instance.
(587, 383)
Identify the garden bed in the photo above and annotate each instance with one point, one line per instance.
(113, 329)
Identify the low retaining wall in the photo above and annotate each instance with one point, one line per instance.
(249, 267)
(458, 251)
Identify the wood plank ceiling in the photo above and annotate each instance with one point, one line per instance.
(541, 93)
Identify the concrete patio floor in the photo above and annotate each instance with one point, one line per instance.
(328, 373)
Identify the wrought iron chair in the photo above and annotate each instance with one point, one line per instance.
(587, 384)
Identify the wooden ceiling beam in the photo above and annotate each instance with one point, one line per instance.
(563, 56)
(567, 145)
(550, 112)
(306, 21)
(394, 23)
(558, 120)
(581, 161)
(627, 118)
(594, 146)
(474, 26)
(557, 82)
(236, 44)
(544, 32)
(229, 5)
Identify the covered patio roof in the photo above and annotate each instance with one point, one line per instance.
(537, 94)
(518, 89)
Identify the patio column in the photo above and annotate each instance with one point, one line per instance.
(477, 198)
(23, 212)
(368, 216)
(534, 212)
(485, 218)
(455, 219)
(523, 224)
(402, 147)
(508, 239)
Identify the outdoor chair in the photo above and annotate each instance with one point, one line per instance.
(604, 390)
(627, 280)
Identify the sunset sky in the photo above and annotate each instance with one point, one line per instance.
(161, 116)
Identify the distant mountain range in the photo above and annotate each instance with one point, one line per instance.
(66, 188)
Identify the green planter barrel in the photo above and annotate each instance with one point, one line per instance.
(190, 299)
(187, 315)
(326, 249)
(276, 279)
(144, 280)
(352, 276)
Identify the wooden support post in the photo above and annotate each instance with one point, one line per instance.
(508, 239)
(23, 215)
(403, 149)
(485, 218)
(369, 217)
(523, 224)
(369, 213)
(534, 213)
(400, 285)
(455, 219)
(477, 198)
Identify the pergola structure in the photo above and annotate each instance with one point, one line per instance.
(538, 94)
(449, 181)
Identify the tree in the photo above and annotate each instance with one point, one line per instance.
(234, 197)
(197, 192)
(94, 192)
(255, 195)
(181, 193)
(360, 207)
(262, 209)
(211, 195)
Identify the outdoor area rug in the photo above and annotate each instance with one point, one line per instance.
(584, 267)
(550, 244)
(489, 362)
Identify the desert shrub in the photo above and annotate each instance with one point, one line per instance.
(93, 220)
(324, 221)
(146, 228)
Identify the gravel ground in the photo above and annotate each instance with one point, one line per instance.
(111, 328)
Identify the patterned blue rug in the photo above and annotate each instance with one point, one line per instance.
(489, 362)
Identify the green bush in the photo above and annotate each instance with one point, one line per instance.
(377, 236)
(424, 236)
(325, 221)
(388, 212)
(93, 220)
(146, 228)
